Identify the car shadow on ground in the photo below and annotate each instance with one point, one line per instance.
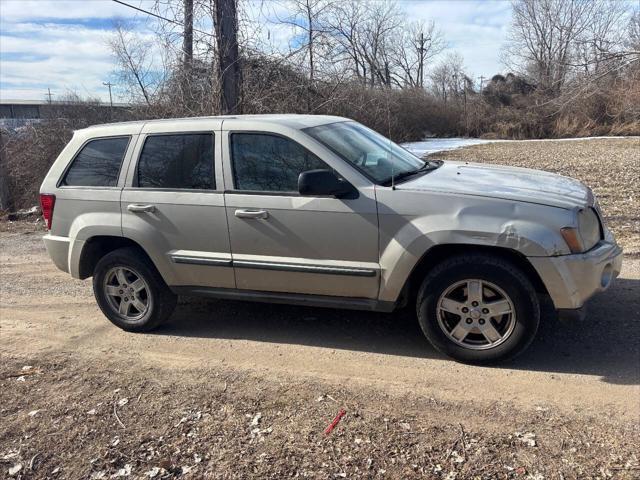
(606, 343)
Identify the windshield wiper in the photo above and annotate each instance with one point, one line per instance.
(427, 167)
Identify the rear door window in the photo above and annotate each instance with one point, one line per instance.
(97, 164)
(181, 161)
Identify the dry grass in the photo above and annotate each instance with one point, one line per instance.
(100, 420)
(611, 167)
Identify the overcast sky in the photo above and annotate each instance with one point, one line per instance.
(62, 44)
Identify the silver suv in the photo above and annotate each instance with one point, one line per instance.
(321, 211)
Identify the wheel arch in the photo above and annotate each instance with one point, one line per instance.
(440, 253)
(98, 246)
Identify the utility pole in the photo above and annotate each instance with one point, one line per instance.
(481, 83)
(421, 64)
(187, 42)
(421, 52)
(187, 46)
(228, 59)
(109, 84)
(49, 94)
(464, 95)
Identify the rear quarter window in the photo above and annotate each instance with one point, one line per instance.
(97, 164)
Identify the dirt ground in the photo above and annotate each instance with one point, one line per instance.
(241, 390)
(610, 166)
(237, 390)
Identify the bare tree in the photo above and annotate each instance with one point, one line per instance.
(308, 16)
(382, 22)
(416, 45)
(134, 58)
(602, 41)
(448, 78)
(345, 22)
(542, 38)
(364, 33)
(375, 44)
(188, 27)
(632, 42)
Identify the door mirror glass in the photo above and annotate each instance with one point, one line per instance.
(317, 183)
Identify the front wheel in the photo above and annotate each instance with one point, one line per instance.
(131, 292)
(478, 309)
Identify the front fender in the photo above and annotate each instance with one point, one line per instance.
(531, 230)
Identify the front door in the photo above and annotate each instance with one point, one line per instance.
(283, 242)
(173, 204)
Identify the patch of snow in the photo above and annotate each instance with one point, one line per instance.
(433, 145)
(570, 139)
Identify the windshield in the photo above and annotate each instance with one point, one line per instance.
(376, 156)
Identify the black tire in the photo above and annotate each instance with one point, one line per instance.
(161, 301)
(502, 274)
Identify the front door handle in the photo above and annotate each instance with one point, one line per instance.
(136, 208)
(252, 214)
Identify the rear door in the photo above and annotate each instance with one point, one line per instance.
(173, 205)
(283, 242)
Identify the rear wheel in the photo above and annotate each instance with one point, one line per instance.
(478, 309)
(130, 291)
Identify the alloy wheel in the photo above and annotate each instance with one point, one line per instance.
(127, 293)
(476, 314)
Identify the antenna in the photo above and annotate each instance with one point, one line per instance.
(393, 173)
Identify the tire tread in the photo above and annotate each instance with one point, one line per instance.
(491, 262)
(164, 299)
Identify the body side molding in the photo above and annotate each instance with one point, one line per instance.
(216, 262)
(291, 267)
(194, 259)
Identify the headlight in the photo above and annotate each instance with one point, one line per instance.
(588, 233)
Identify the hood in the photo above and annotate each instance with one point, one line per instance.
(509, 183)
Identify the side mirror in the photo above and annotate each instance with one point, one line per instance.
(323, 183)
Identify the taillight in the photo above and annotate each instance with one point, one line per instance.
(47, 202)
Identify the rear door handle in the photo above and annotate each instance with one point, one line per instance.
(252, 214)
(136, 208)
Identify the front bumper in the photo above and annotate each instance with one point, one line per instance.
(572, 279)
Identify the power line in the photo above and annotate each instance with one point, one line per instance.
(160, 17)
